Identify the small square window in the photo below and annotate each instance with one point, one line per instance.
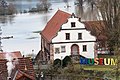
(63, 49)
(84, 48)
(79, 35)
(67, 36)
(72, 24)
(57, 50)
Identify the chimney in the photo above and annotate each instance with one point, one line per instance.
(73, 15)
(79, 19)
(8, 78)
(23, 56)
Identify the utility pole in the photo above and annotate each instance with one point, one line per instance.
(0, 40)
(8, 37)
(61, 62)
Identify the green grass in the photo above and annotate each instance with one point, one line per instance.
(96, 67)
(108, 69)
(99, 68)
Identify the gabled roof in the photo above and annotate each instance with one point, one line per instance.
(24, 67)
(53, 26)
(20, 74)
(16, 54)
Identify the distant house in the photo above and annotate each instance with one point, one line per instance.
(15, 54)
(21, 68)
(65, 35)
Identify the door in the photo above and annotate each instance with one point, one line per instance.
(74, 49)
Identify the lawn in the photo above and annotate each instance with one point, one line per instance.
(109, 70)
(99, 67)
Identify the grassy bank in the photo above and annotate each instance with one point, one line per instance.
(108, 71)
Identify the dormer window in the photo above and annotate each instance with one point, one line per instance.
(72, 24)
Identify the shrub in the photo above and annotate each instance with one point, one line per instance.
(67, 60)
(57, 63)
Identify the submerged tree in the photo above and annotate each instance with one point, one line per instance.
(66, 2)
(6, 8)
(44, 5)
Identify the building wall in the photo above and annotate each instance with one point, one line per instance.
(87, 39)
(88, 54)
(45, 49)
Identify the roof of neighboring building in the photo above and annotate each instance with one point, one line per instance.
(20, 74)
(16, 54)
(3, 69)
(53, 26)
(24, 67)
(97, 29)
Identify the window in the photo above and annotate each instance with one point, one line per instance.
(72, 24)
(57, 50)
(84, 48)
(79, 35)
(67, 36)
(63, 49)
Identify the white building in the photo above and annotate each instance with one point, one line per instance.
(73, 39)
(65, 35)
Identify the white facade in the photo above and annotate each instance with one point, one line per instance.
(60, 41)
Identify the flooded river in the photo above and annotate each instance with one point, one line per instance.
(24, 27)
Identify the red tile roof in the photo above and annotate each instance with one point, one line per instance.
(97, 29)
(22, 64)
(16, 54)
(54, 24)
(25, 67)
(3, 69)
(98, 25)
(21, 74)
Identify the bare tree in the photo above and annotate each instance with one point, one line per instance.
(43, 5)
(110, 13)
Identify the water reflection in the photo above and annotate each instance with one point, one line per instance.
(45, 17)
(86, 10)
(22, 5)
(7, 19)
